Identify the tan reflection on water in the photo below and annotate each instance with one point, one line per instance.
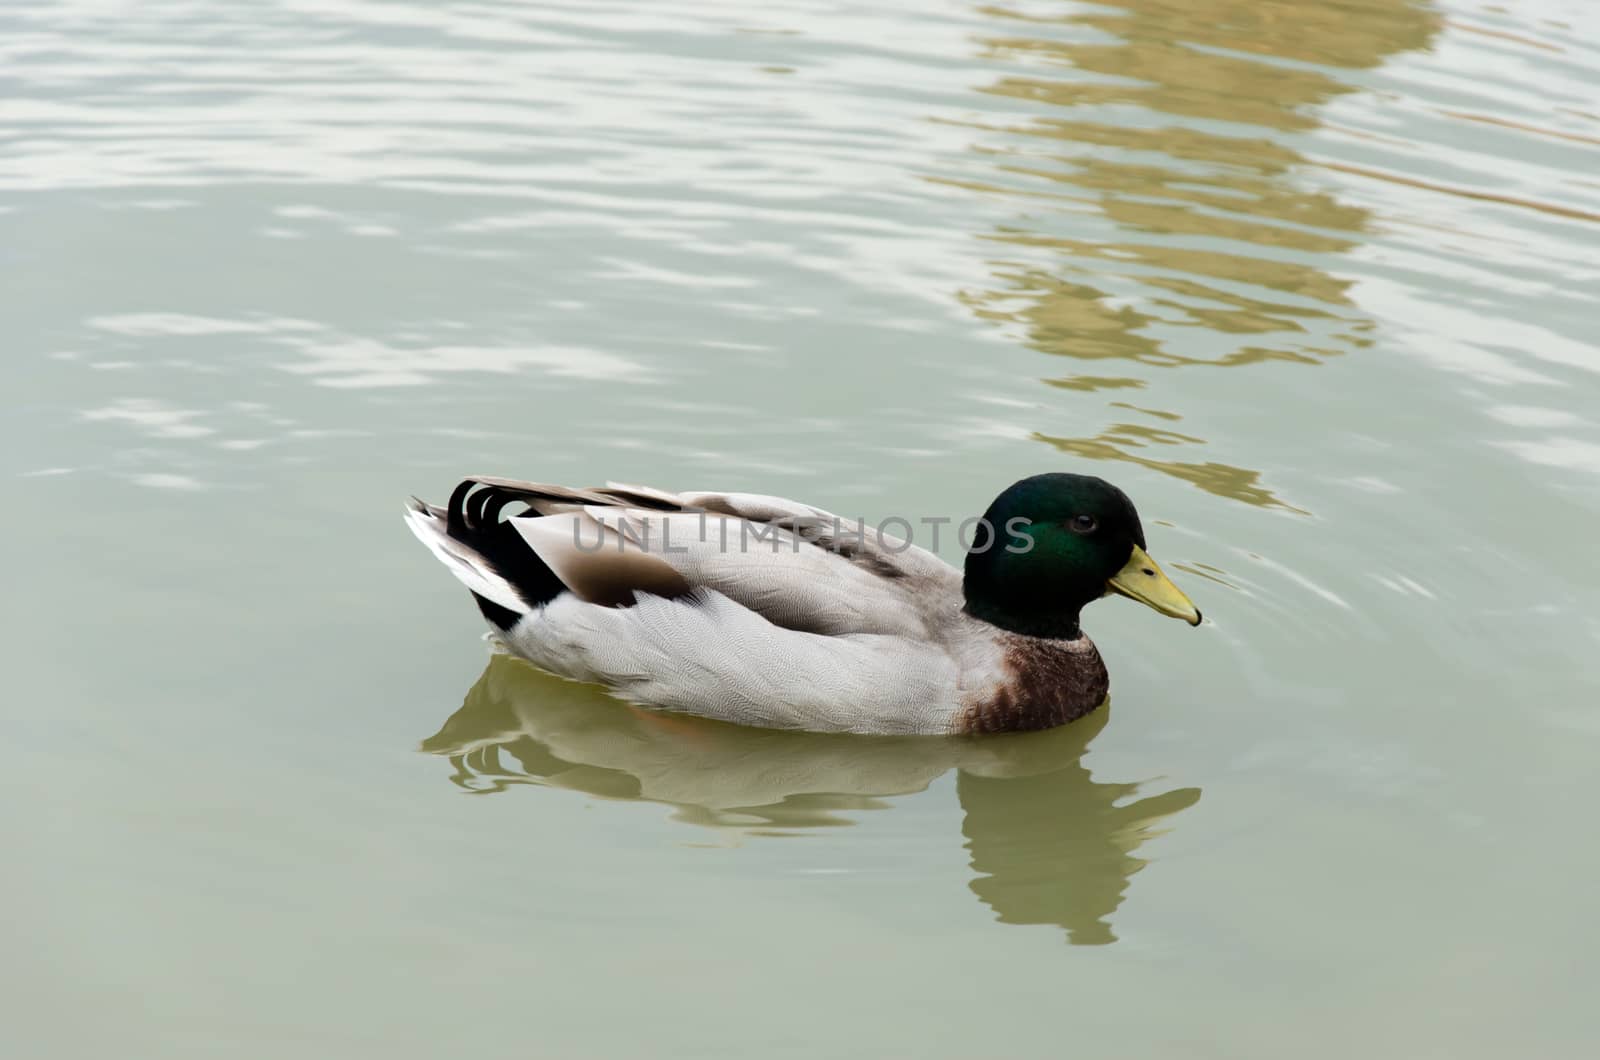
(1187, 233)
(1048, 844)
(1223, 480)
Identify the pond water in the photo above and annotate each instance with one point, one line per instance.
(1318, 284)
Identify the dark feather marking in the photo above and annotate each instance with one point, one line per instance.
(456, 521)
(819, 532)
(493, 505)
(501, 547)
(720, 506)
(502, 618)
(637, 500)
(475, 506)
(879, 565)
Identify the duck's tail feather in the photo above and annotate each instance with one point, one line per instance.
(488, 556)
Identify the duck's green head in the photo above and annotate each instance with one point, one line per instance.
(1061, 541)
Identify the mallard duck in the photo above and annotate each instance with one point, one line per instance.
(764, 611)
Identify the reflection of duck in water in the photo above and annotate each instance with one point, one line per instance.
(1050, 844)
(1055, 848)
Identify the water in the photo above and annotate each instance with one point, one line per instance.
(1315, 283)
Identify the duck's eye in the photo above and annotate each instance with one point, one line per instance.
(1083, 524)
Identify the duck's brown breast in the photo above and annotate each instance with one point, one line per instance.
(1044, 683)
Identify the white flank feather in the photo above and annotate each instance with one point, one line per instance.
(695, 654)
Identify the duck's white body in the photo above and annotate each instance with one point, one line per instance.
(747, 608)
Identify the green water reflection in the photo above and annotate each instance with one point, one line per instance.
(1048, 843)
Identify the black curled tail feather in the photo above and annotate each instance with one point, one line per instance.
(502, 618)
(472, 517)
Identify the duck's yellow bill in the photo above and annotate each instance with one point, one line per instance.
(1145, 582)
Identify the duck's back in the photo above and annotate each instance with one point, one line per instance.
(747, 608)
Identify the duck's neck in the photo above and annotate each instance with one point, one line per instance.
(1019, 601)
(1052, 625)
(1033, 593)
